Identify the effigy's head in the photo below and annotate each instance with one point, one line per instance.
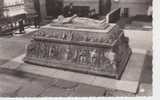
(60, 18)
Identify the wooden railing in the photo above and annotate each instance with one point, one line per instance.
(8, 24)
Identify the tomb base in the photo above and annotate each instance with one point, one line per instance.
(99, 52)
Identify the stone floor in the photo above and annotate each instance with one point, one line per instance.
(18, 84)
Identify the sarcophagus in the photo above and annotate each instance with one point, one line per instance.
(99, 52)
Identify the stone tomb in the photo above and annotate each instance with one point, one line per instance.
(99, 52)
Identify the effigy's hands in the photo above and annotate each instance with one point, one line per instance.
(70, 19)
(62, 20)
(59, 20)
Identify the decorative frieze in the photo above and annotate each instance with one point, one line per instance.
(100, 53)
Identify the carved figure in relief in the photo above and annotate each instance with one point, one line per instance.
(45, 52)
(111, 56)
(52, 51)
(83, 56)
(41, 50)
(70, 36)
(66, 53)
(93, 56)
(37, 46)
(64, 36)
(75, 55)
(31, 49)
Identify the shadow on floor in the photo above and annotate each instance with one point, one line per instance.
(147, 72)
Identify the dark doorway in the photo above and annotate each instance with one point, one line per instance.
(54, 7)
(105, 6)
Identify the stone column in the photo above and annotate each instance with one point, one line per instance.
(115, 4)
(29, 6)
(1, 8)
(43, 9)
(105, 6)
